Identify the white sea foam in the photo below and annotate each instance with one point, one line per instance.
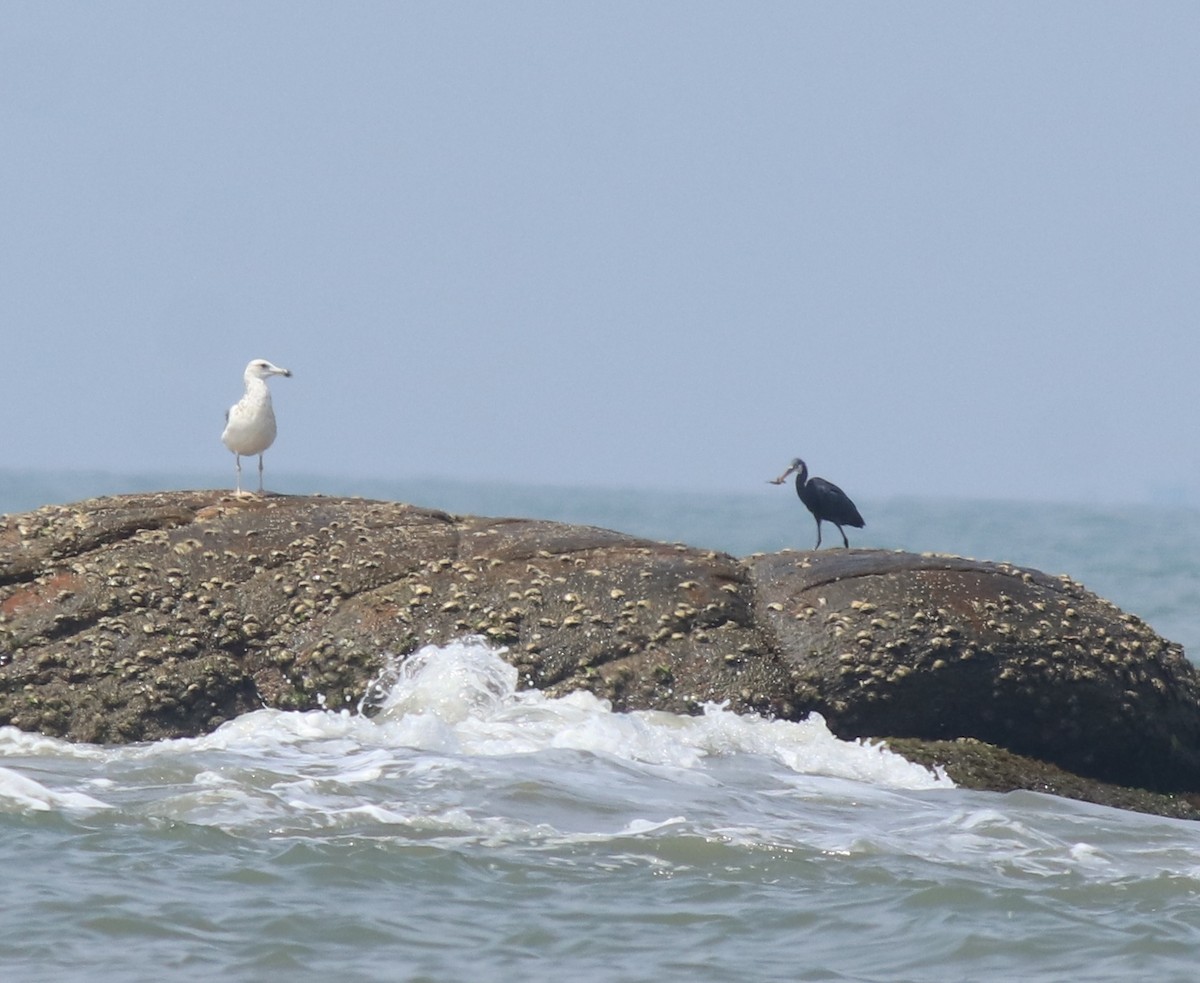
(450, 747)
(462, 698)
(19, 793)
(23, 743)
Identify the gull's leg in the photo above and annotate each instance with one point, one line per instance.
(260, 480)
(238, 458)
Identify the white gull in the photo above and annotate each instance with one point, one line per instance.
(250, 422)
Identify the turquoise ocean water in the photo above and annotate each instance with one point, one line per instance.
(470, 832)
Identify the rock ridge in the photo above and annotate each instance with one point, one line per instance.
(150, 616)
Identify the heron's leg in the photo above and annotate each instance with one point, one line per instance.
(845, 541)
(818, 546)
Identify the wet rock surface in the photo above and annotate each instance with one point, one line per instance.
(977, 765)
(941, 647)
(142, 617)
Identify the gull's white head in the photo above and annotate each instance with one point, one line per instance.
(260, 368)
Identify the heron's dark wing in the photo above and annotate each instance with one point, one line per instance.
(834, 504)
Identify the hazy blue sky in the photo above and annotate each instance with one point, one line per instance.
(947, 248)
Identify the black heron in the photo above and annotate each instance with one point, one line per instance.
(825, 500)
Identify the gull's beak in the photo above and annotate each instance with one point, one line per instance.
(287, 372)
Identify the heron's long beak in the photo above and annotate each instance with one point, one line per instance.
(782, 478)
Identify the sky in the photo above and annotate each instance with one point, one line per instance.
(937, 249)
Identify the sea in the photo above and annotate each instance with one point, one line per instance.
(458, 829)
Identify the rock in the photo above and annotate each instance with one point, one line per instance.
(148, 616)
(140, 617)
(939, 647)
(974, 764)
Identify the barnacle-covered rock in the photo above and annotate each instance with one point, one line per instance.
(140, 617)
(941, 647)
